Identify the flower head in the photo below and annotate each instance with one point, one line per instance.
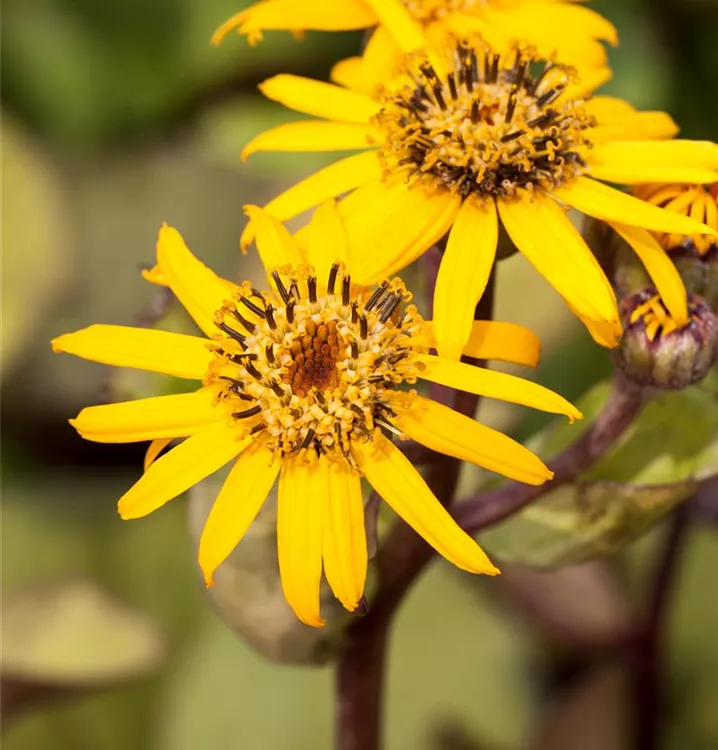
(659, 351)
(697, 201)
(464, 137)
(305, 381)
(550, 25)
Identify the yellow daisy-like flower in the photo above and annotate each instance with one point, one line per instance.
(697, 201)
(550, 25)
(472, 140)
(303, 383)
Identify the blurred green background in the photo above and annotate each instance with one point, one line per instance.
(118, 116)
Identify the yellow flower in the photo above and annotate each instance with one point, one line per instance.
(550, 25)
(473, 139)
(698, 201)
(303, 383)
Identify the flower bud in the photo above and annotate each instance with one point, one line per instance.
(659, 352)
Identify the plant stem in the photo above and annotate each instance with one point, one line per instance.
(400, 559)
(487, 508)
(647, 653)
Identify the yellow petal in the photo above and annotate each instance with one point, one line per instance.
(153, 451)
(299, 536)
(596, 199)
(637, 162)
(320, 99)
(589, 80)
(379, 58)
(181, 468)
(344, 548)
(385, 239)
(545, 235)
(397, 19)
(492, 384)
(639, 126)
(142, 348)
(328, 241)
(314, 135)
(489, 339)
(446, 431)
(602, 332)
(660, 268)
(199, 289)
(297, 15)
(463, 274)
(172, 416)
(402, 487)
(340, 177)
(274, 243)
(242, 495)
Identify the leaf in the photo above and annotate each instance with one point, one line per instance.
(75, 635)
(34, 235)
(581, 521)
(658, 463)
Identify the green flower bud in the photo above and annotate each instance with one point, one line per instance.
(657, 351)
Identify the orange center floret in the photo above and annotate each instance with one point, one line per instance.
(315, 359)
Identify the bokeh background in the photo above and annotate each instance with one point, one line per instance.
(118, 116)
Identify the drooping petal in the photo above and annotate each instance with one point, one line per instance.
(299, 536)
(344, 547)
(153, 451)
(547, 238)
(178, 415)
(340, 177)
(505, 342)
(402, 487)
(274, 243)
(320, 99)
(640, 162)
(242, 495)
(463, 274)
(181, 468)
(328, 241)
(297, 15)
(446, 431)
(198, 288)
(388, 239)
(314, 135)
(493, 384)
(142, 348)
(593, 198)
(660, 268)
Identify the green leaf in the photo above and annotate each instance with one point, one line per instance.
(75, 635)
(657, 464)
(581, 521)
(35, 237)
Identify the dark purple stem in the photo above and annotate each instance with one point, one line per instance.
(400, 559)
(647, 651)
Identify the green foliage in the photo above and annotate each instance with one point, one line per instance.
(657, 464)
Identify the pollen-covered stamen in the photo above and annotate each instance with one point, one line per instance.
(489, 127)
(317, 366)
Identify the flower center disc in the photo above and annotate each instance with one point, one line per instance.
(489, 127)
(315, 358)
(313, 368)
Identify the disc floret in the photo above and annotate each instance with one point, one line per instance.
(314, 370)
(489, 126)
